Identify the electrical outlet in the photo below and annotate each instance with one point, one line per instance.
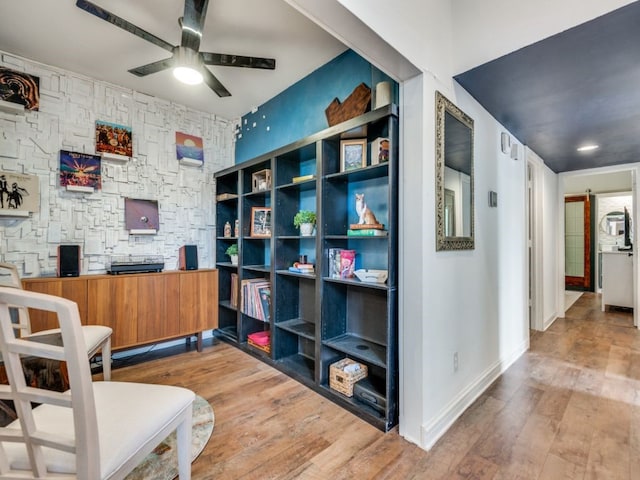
(455, 361)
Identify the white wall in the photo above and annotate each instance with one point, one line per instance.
(69, 106)
(469, 302)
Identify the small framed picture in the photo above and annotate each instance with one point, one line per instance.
(261, 221)
(353, 154)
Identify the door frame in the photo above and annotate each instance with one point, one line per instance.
(534, 212)
(634, 170)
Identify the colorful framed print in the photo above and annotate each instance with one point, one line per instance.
(353, 154)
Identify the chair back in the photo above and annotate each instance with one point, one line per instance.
(9, 277)
(76, 405)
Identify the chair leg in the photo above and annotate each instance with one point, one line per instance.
(106, 359)
(183, 436)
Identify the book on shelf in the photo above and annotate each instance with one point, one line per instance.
(234, 290)
(347, 263)
(226, 196)
(341, 263)
(367, 232)
(302, 178)
(334, 263)
(255, 298)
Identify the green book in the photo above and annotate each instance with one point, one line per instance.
(367, 232)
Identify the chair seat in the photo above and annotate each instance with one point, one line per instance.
(137, 420)
(94, 335)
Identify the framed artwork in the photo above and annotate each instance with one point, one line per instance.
(114, 138)
(20, 88)
(80, 170)
(141, 216)
(19, 193)
(189, 148)
(261, 221)
(353, 154)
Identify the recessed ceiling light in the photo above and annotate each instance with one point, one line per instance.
(587, 148)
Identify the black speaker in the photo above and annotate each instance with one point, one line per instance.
(188, 257)
(68, 260)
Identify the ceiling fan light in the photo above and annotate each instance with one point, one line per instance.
(188, 75)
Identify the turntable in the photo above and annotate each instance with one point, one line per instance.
(134, 264)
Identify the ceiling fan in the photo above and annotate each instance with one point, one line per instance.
(186, 59)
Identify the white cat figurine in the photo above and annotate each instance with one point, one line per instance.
(365, 215)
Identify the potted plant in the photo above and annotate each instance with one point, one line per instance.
(305, 220)
(232, 251)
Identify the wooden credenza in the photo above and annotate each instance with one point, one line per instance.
(141, 308)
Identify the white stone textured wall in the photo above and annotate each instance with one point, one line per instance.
(70, 104)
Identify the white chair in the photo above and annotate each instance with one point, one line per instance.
(96, 337)
(95, 430)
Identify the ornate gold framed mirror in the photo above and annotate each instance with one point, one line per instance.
(454, 177)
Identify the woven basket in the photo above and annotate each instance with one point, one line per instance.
(342, 381)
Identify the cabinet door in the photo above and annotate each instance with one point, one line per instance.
(71, 289)
(198, 301)
(157, 307)
(113, 302)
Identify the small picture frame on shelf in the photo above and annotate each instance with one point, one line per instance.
(261, 181)
(260, 221)
(353, 154)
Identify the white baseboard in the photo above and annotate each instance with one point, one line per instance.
(432, 431)
(548, 322)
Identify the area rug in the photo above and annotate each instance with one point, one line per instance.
(162, 463)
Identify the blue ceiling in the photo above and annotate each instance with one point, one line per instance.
(581, 86)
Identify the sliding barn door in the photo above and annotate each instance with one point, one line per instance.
(577, 243)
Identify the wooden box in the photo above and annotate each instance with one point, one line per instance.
(261, 180)
(343, 381)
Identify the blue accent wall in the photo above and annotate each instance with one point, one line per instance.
(299, 110)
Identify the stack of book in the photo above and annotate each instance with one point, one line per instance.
(255, 296)
(298, 267)
(260, 340)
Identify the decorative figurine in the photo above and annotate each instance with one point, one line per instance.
(227, 229)
(236, 228)
(365, 215)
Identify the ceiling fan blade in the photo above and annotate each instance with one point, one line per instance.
(195, 12)
(152, 67)
(225, 60)
(103, 14)
(214, 83)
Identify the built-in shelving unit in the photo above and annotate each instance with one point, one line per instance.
(315, 320)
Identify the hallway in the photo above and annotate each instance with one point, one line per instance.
(567, 409)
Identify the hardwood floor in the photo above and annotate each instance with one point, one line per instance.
(567, 409)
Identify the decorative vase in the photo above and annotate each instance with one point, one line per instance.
(234, 259)
(306, 229)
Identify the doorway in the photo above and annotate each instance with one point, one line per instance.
(601, 183)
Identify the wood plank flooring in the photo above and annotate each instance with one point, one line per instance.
(567, 409)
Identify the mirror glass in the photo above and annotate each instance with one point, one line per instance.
(454, 177)
(613, 223)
